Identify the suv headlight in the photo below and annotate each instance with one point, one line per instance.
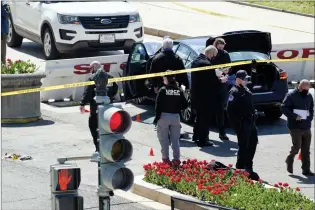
(134, 18)
(68, 19)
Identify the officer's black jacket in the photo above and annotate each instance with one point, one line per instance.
(222, 57)
(240, 104)
(294, 100)
(168, 60)
(204, 84)
(88, 97)
(170, 99)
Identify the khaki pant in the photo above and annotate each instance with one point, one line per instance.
(3, 48)
(301, 139)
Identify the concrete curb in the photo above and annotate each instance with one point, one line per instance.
(163, 33)
(20, 120)
(162, 195)
(269, 8)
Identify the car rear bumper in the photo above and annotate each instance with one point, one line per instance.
(268, 99)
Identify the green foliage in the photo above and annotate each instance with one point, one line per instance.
(305, 7)
(228, 187)
(18, 67)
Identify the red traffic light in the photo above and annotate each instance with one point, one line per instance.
(115, 121)
(119, 122)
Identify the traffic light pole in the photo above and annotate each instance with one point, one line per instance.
(101, 98)
(104, 201)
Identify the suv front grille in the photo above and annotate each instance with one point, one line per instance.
(95, 22)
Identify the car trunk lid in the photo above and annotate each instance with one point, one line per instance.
(255, 41)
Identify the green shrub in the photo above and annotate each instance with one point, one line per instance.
(18, 67)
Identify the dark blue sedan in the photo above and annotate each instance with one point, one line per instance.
(269, 82)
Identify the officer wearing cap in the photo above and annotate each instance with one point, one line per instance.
(242, 117)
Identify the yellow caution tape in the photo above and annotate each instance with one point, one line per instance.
(145, 76)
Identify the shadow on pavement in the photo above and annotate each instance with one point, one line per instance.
(304, 180)
(221, 148)
(32, 124)
(36, 50)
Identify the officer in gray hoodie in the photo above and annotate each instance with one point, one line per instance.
(298, 107)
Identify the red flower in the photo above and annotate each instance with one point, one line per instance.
(260, 180)
(297, 189)
(246, 173)
(276, 185)
(146, 174)
(172, 179)
(177, 179)
(230, 165)
(200, 187)
(285, 185)
(280, 183)
(251, 182)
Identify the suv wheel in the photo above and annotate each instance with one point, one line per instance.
(187, 115)
(273, 113)
(49, 45)
(13, 40)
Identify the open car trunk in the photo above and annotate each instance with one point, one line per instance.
(263, 78)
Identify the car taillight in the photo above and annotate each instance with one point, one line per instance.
(283, 75)
(123, 66)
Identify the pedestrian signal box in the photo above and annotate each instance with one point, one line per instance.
(65, 182)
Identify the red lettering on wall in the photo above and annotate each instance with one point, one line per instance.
(307, 52)
(291, 54)
(85, 68)
(284, 55)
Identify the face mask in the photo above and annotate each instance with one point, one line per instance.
(304, 92)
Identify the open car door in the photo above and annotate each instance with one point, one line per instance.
(136, 65)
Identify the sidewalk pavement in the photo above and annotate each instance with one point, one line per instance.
(171, 17)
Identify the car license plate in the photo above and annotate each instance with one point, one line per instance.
(107, 38)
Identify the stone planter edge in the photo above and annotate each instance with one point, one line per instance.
(9, 77)
(163, 195)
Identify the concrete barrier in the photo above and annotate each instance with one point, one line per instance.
(21, 108)
(66, 71)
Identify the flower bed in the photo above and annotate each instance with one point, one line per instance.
(225, 187)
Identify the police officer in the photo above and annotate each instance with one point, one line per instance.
(204, 95)
(242, 117)
(88, 98)
(169, 103)
(222, 57)
(167, 60)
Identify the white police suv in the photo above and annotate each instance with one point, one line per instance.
(67, 26)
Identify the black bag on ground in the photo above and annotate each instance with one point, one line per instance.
(218, 165)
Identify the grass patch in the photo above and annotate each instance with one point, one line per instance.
(305, 7)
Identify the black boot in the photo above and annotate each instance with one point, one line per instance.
(308, 173)
(289, 165)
